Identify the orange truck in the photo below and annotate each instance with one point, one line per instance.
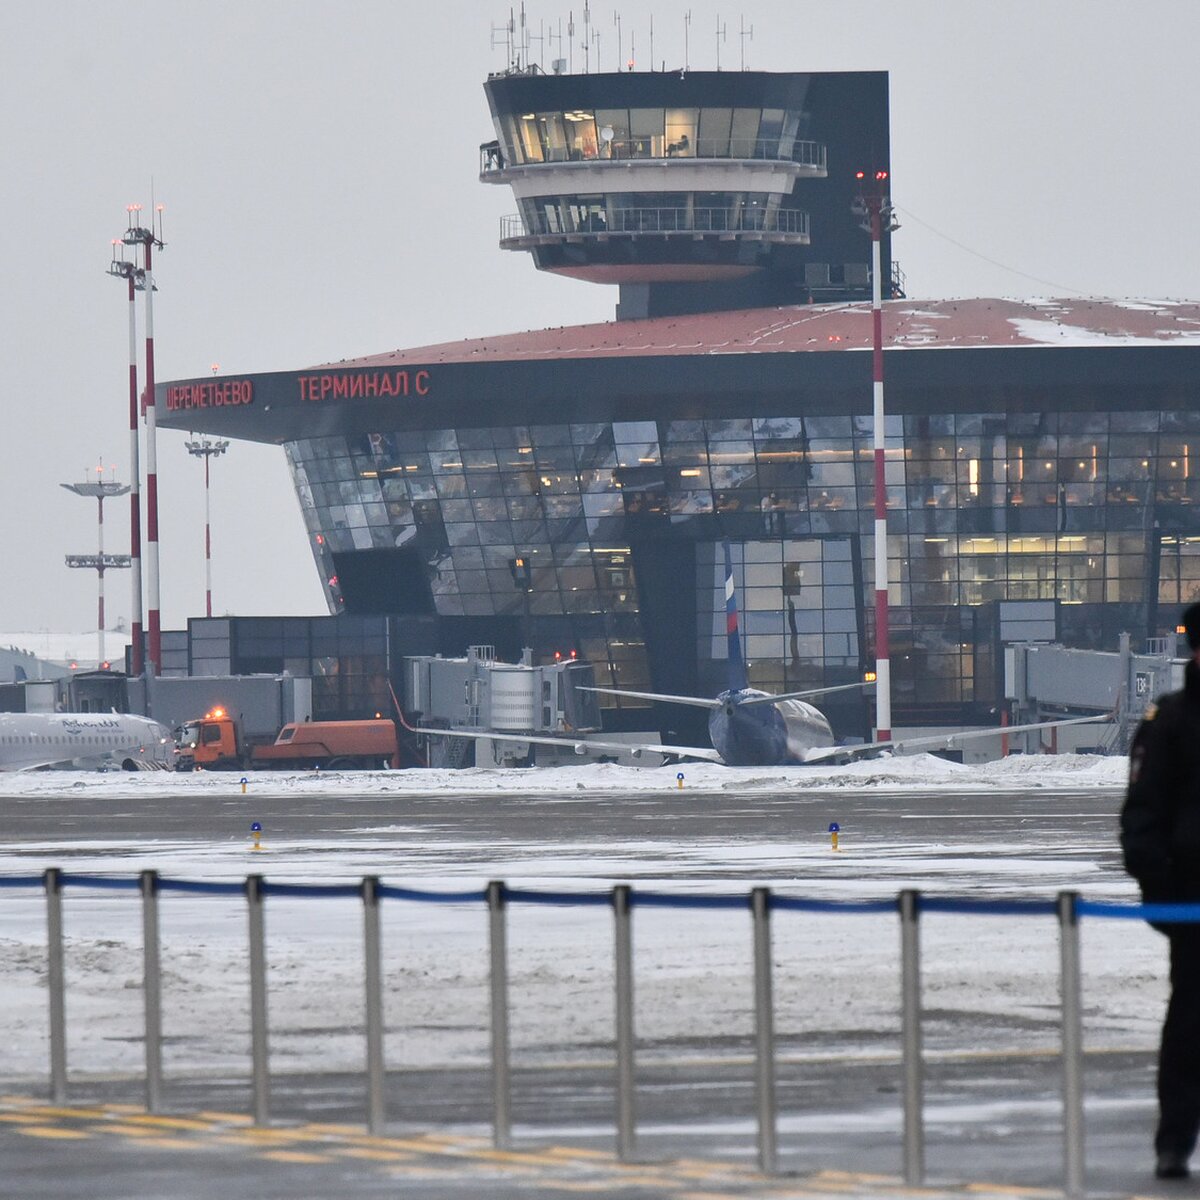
(215, 742)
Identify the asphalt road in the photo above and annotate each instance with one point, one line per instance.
(992, 1116)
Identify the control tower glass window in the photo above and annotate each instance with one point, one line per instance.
(581, 135)
(713, 141)
(743, 139)
(681, 132)
(613, 127)
(646, 132)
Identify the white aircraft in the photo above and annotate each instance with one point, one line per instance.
(85, 740)
(752, 728)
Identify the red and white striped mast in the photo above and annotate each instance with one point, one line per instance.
(148, 239)
(874, 205)
(132, 274)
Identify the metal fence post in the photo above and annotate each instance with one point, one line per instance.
(764, 1029)
(623, 938)
(1072, 1045)
(152, 989)
(501, 1083)
(258, 1000)
(56, 981)
(374, 1004)
(910, 1038)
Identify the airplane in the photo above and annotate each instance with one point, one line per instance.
(752, 728)
(84, 740)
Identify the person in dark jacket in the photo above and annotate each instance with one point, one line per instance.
(1160, 837)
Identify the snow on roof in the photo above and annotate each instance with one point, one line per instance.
(64, 649)
(907, 324)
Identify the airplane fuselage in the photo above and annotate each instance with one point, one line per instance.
(85, 739)
(766, 735)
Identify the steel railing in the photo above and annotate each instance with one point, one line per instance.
(811, 155)
(786, 221)
(760, 903)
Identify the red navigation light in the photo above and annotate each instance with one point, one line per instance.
(333, 579)
(574, 653)
(557, 655)
(860, 174)
(104, 666)
(320, 539)
(880, 174)
(74, 666)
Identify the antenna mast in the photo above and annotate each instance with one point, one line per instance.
(720, 38)
(743, 34)
(687, 25)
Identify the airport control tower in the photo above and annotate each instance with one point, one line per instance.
(692, 191)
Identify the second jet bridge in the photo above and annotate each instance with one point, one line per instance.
(479, 693)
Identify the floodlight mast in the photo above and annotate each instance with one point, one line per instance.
(99, 562)
(875, 207)
(207, 448)
(137, 235)
(121, 268)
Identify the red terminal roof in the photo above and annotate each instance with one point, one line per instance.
(907, 324)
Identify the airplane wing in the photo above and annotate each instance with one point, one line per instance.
(946, 741)
(844, 687)
(694, 701)
(577, 745)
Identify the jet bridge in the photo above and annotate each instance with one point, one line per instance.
(479, 693)
(1047, 680)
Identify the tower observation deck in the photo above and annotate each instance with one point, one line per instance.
(691, 190)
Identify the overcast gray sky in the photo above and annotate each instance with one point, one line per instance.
(318, 162)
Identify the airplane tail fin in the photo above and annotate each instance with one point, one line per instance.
(737, 664)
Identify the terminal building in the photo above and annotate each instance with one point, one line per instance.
(570, 489)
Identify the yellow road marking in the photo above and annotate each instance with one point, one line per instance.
(375, 1155)
(47, 1110)
(51, 1131)
(169, 1122)
(296, 1156)
(123, 1130)
(572, 1152)
(208, 1114)
(18, 1118)
(351, 1130)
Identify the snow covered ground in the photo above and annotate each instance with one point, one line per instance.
(1019, 827)
(917, 771)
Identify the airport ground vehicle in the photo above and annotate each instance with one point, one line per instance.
(215, 741)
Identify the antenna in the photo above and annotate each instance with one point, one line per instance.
(652, 41)
(540, 38)
(502, 35)
(743, 34)
(687, 25)
(571, 42)
(620, 48)
(720, 38)
(632, 54)
(587, 35)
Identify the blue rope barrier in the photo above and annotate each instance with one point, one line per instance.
(403, 893)
(311, 889)
(521, 896)
(201, 887)
(666, 900)
(988, 908)
(796, 904)
(108, 882)
(16, 881)
(1167, 914)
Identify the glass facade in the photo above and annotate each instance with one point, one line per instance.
(1092, 510)
(578, 135)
